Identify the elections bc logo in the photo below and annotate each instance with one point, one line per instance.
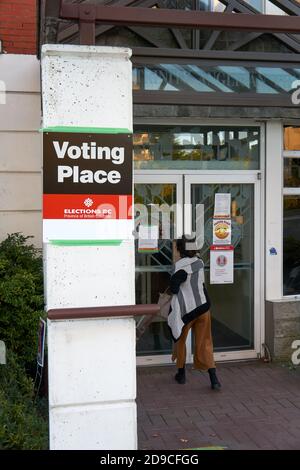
(88, 202)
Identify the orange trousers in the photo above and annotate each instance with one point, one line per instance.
(203, 348)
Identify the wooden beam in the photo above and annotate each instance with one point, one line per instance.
(87, 24)
(158, 17)
(213, 99)
(153, 55)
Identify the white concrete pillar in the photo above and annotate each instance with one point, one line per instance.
(92, 385)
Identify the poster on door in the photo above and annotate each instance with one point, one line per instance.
(221, 231)
(148, 239)
(222, 206)
(221, 264)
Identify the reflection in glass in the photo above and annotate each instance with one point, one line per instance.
(191, 77)
(292, 172)
(257, 4)
(291, 245)
(196, 147)
(204, 5)
(272, 9)
(291, 138)
(262, 6)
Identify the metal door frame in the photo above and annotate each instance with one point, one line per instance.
(183, 180)
(234, 178)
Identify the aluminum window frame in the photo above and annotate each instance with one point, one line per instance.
(143, 56)
(288, 192)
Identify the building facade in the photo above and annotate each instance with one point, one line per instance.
(20, 116)
(215, 111)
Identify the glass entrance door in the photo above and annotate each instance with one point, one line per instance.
(235, 307)
(158, 201)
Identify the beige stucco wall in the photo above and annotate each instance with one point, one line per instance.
(20, 147)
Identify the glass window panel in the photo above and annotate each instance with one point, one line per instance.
(262, 87)
(217, 6)
(240, 75)
(292, 172)
(263, 6)
(185, 77)
(209, 79)
(152, 80)
(257, 4)
(214, 78)
(291, 138)
(278, 76)
(183, 147)
(272, 9)
(210, 5)
(291, 245)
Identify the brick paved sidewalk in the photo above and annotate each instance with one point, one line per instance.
(258, 408)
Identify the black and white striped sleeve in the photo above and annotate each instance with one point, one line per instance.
(178, 278)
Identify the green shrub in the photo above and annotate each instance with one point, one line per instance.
(22, 426)
(21, 295)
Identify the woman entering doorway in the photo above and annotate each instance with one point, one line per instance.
(190, 306)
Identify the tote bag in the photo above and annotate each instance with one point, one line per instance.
(164, 302)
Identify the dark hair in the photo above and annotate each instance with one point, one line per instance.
(182, 243)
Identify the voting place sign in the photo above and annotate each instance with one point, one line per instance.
(87, 176)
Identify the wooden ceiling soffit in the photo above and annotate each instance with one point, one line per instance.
(140, 13)
(241, 7)
(72, 30)
(244, 41)
(151, 39)
(215, 34)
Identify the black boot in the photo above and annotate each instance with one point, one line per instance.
(215, 384)
(180, 376)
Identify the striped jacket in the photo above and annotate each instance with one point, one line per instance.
(190, 298)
